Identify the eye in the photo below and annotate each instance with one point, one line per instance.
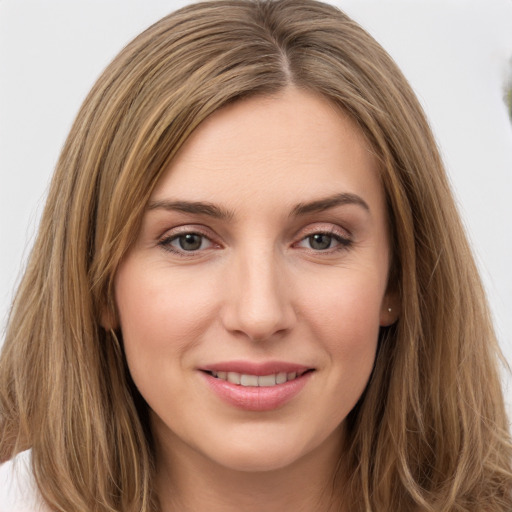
(186, 242)
(324, 242)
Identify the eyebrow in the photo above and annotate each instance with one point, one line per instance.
(327, 203)
(217, 212)
(195, 207)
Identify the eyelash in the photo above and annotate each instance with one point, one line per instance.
(343, 242)
(166, 243)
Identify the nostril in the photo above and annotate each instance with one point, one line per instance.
(257, 302)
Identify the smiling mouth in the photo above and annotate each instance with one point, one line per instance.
(247, 380)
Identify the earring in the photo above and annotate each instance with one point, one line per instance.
(389, 310)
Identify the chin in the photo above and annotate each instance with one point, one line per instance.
(271, 450)
(255, 459)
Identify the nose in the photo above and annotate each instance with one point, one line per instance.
(258, 303)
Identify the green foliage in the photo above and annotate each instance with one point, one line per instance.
(508, 99)
(508, 91)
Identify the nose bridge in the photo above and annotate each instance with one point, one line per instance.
(259, 304)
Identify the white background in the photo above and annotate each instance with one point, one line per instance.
(456, 54)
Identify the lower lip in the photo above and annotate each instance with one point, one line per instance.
(255, 398)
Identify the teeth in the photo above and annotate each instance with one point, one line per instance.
(281, 378)
(267, 380)
(233, 377)
(248, 380)
(243, 379)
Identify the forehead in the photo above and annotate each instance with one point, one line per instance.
(292, 146)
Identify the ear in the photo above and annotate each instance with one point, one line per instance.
(390, 309)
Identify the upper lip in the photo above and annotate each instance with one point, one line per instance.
(256, 368)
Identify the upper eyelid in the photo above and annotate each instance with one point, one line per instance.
(331, 228)
(166, 243)
(171, 234)
(200, 229)
(342, 240)
(186, 229)
(324, 227)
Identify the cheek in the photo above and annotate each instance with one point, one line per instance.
(345, 319)
(161, 313)
(347, 306)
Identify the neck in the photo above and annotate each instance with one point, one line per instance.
(190, 482)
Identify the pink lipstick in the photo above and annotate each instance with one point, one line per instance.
(256, 386)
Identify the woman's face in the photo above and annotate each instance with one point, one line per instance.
(251, 302)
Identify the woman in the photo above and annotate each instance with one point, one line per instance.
(251, 288)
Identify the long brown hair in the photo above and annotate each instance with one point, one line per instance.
(430, 432)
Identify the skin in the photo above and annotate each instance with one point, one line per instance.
(258, 287)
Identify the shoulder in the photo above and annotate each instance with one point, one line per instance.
(18, 492)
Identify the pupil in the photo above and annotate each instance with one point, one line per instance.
(320, 241)
(190, 242)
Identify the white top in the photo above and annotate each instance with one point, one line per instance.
(18, 492)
